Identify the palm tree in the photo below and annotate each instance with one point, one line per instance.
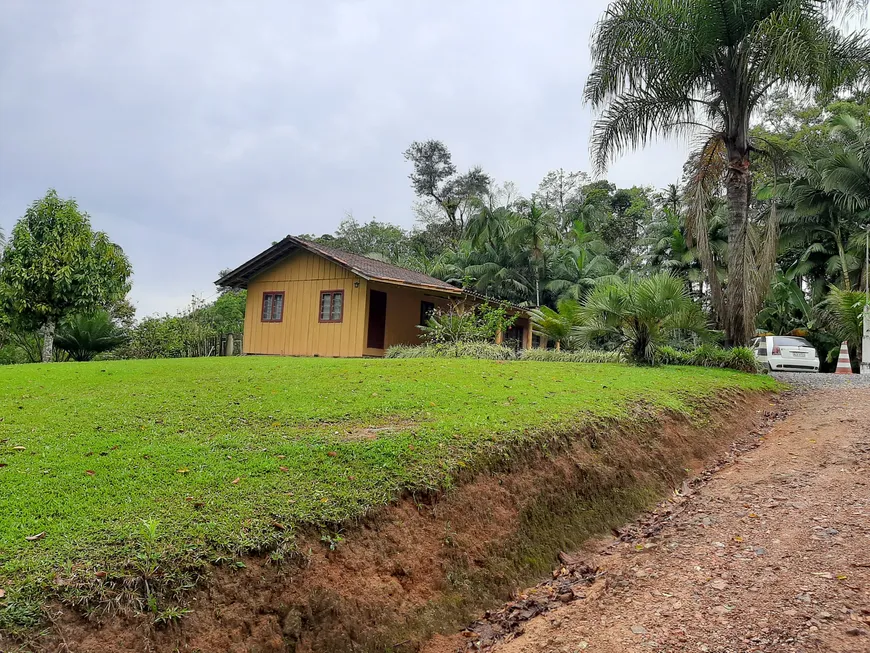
(532, 230)
(488, 224)
(557, 325)
(847, 170)
(640, 315)
(828, 201)
(668, 67)
(844, 312)
(498, 270)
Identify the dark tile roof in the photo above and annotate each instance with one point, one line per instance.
(366, 267)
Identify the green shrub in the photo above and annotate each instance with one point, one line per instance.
(462, 323)
(738, 358)
(576, 356)
(85, 336)
(485, 350)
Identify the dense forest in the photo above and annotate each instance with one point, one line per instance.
(573, 232)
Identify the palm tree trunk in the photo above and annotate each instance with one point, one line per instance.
(847, 282)
(739, 324)
(48, 340)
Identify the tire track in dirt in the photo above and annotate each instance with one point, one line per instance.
(770, 554)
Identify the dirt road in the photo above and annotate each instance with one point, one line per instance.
(770, 553)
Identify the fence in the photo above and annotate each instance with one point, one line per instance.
(229, 344)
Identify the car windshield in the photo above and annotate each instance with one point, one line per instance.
(783, 341)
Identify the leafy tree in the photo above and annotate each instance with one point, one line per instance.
(640, 315)
(56, 266)
(435, 179)
(380, 239)
(664, 67)
(85, 336)
(631, 210)
(561, 193)
(224, 315)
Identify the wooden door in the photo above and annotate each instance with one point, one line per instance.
(377, 319)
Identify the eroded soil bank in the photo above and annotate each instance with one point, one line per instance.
(429, 564)
(768, 554)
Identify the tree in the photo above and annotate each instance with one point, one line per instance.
(557, 325)
(435, 179)
(844, 311)
(640, 315)
(826, 203)
(665, 67)
(534, 228)
(85, 336)
(561, 192)
(56, 266)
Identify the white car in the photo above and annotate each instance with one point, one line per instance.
(786, 354)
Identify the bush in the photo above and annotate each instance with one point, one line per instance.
(469, 324)
(738, 358)
(485, 350)
(576, 356)
(85, 336)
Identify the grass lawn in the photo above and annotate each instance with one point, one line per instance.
(228, 455)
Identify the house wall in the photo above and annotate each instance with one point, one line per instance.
(302, 277)
(403, 315)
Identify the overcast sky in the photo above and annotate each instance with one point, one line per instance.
(196, 132)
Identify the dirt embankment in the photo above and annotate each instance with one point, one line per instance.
(430, 564)
(766, 555)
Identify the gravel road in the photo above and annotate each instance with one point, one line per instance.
(808, 381)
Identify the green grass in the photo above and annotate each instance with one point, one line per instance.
(217, 455)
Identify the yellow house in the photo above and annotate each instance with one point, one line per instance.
(306, 299)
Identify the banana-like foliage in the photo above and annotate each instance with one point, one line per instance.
(640, 315)
(680, 67)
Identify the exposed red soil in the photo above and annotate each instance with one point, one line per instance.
(770, 554)
(396, 578)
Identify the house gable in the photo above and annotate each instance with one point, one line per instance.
(303, 277)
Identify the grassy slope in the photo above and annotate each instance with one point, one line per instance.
(108, 445)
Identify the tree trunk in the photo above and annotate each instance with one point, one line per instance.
(738, 321)
(48, 340)
(841, 250)
(558, 345)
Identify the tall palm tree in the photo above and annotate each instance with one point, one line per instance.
(577, 267)
(828, 200)
(488, 224)
(847, 171)
(668, 67)
(532, 230)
